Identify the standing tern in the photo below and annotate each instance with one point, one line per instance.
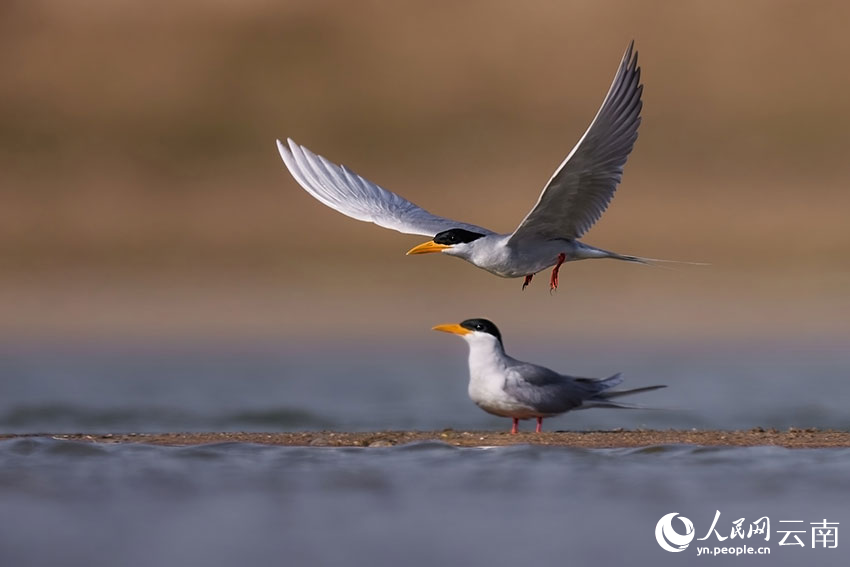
(507, 387)
(571, 202)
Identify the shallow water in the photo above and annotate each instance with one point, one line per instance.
(67, 503)
(130, 388)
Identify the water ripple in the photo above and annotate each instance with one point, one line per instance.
(61, 418)
(417, 504)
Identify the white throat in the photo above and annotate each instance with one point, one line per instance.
(486, 353)
(489, 370)
(487, 365)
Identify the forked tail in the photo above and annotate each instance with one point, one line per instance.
(652, 261)
(604, 399)
(593, 252)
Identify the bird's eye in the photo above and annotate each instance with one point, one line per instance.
(479, 327)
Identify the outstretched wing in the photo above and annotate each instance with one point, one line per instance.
(343, 190)
(581, 188)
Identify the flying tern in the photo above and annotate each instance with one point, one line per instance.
(507, 387)
(571, 202)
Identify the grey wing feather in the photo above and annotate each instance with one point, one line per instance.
(343, 190)
(546, 390)
(534, 374)
(583, 185)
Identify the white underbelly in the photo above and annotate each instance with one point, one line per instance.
(528, 259)
(491, 397)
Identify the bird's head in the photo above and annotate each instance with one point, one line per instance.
(455, 241)
(474, 331)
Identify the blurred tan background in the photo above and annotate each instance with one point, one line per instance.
(141, 194)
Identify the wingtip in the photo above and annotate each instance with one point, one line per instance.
(289, 142)
(282, 150)
(630, 55)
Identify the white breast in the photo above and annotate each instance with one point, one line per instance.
(488, 372)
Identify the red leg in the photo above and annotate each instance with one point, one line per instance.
(514, 428)
(553, 281)
(539, 425)
(527, 281)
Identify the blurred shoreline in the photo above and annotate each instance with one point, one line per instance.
(604, 302)
(141, 196)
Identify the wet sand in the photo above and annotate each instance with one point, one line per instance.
(792, 438)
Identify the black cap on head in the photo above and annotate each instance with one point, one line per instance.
(482, 326)
(456, 236)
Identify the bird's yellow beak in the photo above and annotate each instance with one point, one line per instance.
(427, 248)
(452, 328)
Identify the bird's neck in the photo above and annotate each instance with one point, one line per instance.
(486, 357)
